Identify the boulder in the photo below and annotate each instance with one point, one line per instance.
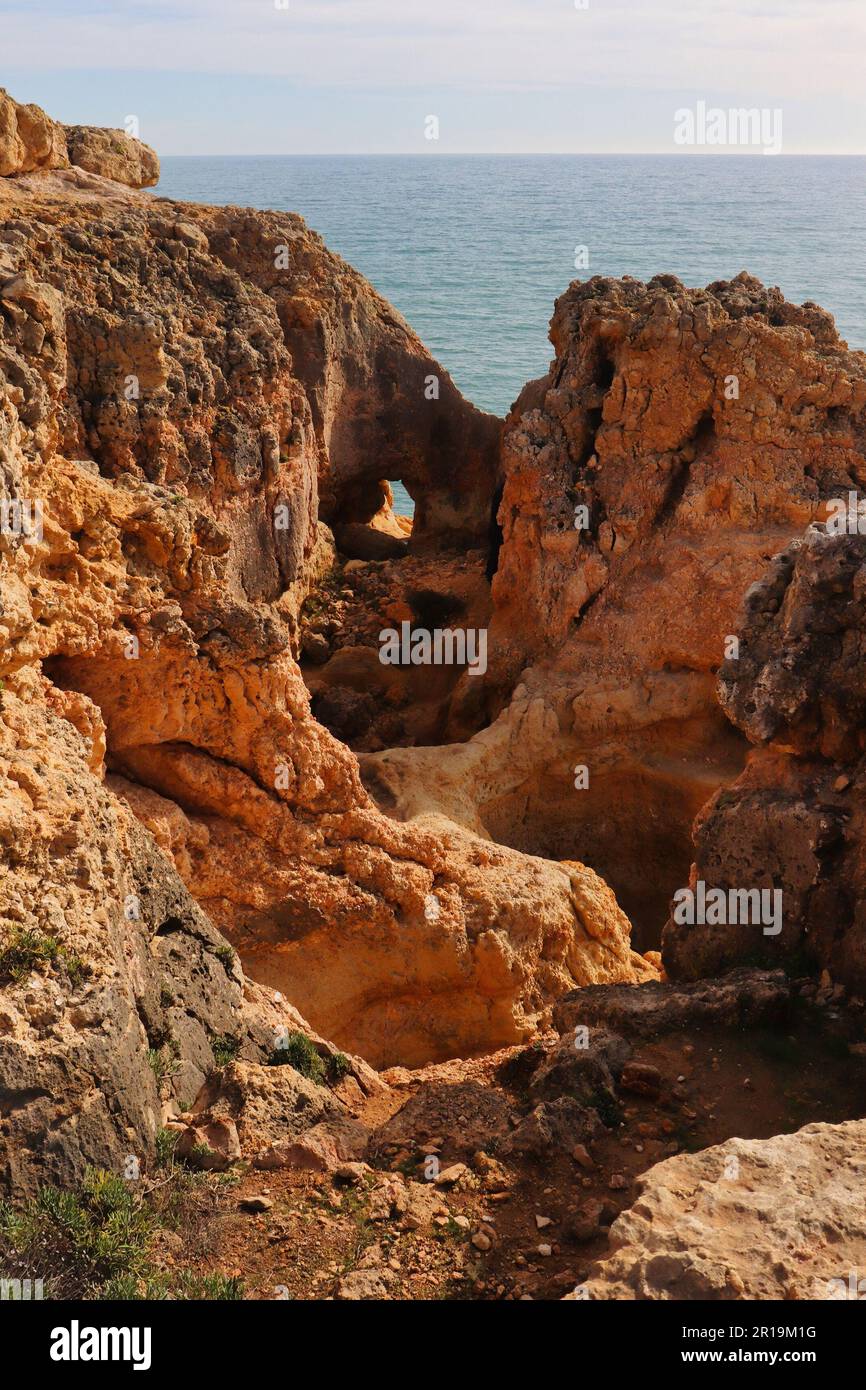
(756, 1219)
(743, 998)
(30, 141)
(113, 154)
(324, 1148)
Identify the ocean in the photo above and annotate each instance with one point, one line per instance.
(473, 249)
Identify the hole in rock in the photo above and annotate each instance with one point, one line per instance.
(402, 578)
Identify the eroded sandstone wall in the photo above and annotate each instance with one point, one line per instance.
(793, 822)
(159, 399)
(701, 430)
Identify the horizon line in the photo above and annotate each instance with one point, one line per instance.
(523, 154)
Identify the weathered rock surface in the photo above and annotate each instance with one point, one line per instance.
(113, 154)
(744, 998)
(115, 988)
(794, 819)
(702, 430)
(30, 140)
(276, 1117)
(180, 389)
(187, 395)
(777, 1218)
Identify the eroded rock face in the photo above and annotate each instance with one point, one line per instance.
(794, 819)
(773, 1218)
(177, 382)
(113, 154)
(114, 985)
(700, 431)
(30, 140)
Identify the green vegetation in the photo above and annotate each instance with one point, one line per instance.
(299, 1052)
(166, 1140)
(225, 1049)
(164, 1061)
(82, 1241)
(25, 951)
(338, 1066)
(98, 1243)
(450, 1231)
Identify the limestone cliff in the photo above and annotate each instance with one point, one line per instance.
(224, 821)
(184, 393)
(681, 438)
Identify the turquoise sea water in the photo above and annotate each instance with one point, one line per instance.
(473, 249)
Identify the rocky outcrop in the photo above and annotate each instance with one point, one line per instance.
(761, 1219)
(200, 410)
(178, 388)
(112, 154)
(116, 991)
(680, 438)
(28, 139)
(744, 998)
(31, 141)
(793, 822)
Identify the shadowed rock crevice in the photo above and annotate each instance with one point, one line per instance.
(793, 820)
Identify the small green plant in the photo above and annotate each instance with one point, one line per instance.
(226, 955)
(299, 1052)
(450, 1231)
(28, 950)
(164, 1061)
(354, 1205)
(338, 1066)
(77, 970)
(166, 1140)
(222, 1287)
(225, 1049)
(166, 998)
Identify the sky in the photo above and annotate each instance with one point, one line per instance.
(500, 76)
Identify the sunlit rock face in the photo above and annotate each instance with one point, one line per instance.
(30, 140)
(681, 438)
(181, 390)
(722, 1223)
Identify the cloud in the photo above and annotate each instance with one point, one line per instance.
(757, 51)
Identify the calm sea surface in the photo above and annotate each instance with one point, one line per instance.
(473, 249)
